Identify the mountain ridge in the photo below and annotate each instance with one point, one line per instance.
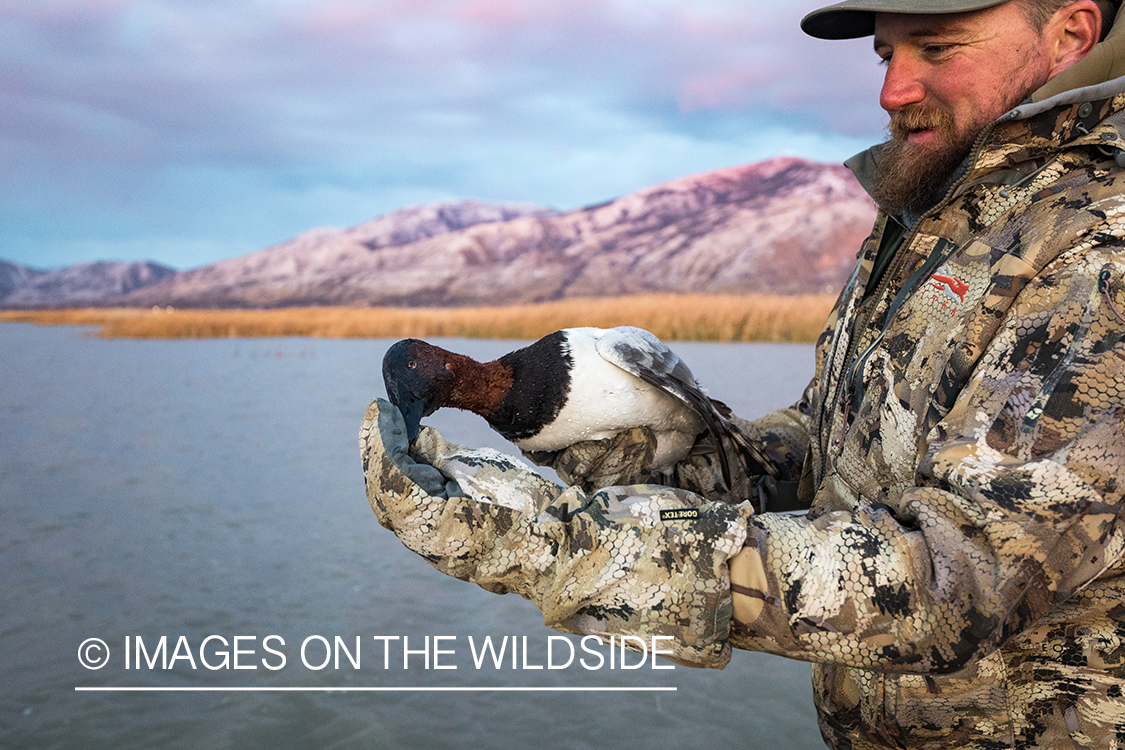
(785, 225)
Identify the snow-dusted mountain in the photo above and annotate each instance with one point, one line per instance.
(783, 226)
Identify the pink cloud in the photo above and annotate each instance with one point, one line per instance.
(503, 14)
(721, 89)
(339, 18)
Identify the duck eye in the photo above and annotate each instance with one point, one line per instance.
(411, 364)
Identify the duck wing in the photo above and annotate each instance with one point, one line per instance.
(642, 354)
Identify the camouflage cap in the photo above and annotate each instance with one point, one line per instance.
(856, 18)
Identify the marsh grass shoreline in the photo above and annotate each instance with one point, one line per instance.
(776, 318)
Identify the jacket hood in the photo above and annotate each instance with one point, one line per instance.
(1105, 62)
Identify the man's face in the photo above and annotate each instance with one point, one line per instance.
(948, 76)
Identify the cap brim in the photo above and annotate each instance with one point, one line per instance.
(853, 19)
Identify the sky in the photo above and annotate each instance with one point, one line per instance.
(189, 131)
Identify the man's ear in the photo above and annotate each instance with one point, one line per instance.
(1071, 34)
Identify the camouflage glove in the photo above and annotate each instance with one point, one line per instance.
(592, 464)
(627, 459)
(607, 564)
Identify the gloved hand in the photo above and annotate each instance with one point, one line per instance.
(626, 458)
(605, 564)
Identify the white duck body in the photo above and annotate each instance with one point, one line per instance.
(605, 397)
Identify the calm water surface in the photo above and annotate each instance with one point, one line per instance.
(213, 488)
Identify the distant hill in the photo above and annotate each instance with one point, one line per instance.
(782, 226)
(82, 284)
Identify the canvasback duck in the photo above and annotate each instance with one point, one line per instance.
(572, 385)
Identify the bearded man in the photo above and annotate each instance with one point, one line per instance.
(958, 579)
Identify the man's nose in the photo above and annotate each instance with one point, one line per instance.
(902, 84)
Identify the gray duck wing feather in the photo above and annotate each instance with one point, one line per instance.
(642, 354)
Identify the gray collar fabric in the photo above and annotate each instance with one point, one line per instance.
(1105, 62)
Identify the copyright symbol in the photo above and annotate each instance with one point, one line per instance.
(93, 653)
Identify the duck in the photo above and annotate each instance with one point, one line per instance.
(573, 385)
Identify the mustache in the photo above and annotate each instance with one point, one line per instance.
(907, 121)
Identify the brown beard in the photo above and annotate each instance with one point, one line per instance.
(910, 178)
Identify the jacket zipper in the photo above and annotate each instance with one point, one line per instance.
(851, 371)
(941, 252)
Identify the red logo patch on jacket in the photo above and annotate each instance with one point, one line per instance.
(947, 289)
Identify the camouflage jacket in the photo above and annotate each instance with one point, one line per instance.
(958, 581)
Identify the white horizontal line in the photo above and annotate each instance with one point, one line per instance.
(131, 689)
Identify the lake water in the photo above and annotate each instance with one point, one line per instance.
(204, 491)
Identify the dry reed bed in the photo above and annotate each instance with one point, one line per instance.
(671, 317)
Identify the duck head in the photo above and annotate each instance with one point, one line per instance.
(418, 380)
